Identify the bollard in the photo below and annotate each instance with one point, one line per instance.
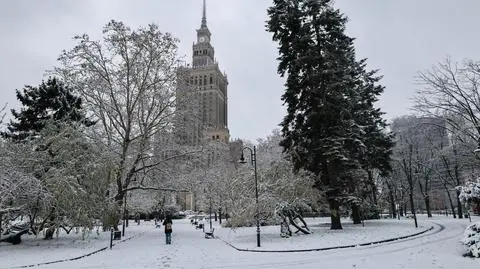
(111, 237)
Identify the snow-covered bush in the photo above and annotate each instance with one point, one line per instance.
(470, 193)
(472, 240)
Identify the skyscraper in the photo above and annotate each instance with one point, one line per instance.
(202, 96)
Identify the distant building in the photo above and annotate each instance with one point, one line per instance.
(202, 105)
(202, 94)
(423, 134)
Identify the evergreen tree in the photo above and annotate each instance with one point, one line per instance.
(377, 140)
(328, 94)
(51, 100)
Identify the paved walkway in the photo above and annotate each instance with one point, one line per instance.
(189, 249)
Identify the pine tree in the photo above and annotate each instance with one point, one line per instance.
(375, 156)
(328, 94)
(51, 100)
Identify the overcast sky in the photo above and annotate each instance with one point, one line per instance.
(398, 37)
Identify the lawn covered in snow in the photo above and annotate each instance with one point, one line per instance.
(35, 250)
(322, 236)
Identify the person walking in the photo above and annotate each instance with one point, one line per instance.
(168, 229)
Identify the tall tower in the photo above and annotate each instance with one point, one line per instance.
(207, 116)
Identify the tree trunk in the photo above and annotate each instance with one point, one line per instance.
(459, 206)
(118, 211)
(299, 229)
(425, 195)
(303, 222)
(285, 230)
(376, 215)
(336, 223)
(457, 177)
(194, 201)
(356, 216)
(412, 206)
(391, 199)
(451, 202)
(50, 232)
(427, 206)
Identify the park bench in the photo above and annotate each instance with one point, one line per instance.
(210, 234)
(14, 237)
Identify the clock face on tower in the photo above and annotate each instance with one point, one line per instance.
(202, 39)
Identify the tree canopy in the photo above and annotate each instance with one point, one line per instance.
(51, 100)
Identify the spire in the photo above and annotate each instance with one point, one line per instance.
(204, 16)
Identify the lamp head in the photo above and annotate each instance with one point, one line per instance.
(242, 159)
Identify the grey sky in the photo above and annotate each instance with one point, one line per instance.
(398, 37)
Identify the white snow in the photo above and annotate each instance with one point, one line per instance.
(472, 239)
(438, 248)
(322, 237)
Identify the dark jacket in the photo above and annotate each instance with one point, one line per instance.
(168, 225)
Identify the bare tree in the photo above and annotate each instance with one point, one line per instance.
(404, 155)
(128, 81)
(450, 90)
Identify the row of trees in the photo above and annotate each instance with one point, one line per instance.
(103, 126)
(86, 137)
(437, 148)
(428, 161)
(100, 131)
(333, 130)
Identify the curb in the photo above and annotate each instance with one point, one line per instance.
(76, 258)
(330, 248)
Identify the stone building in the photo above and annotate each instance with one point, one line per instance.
(202, 105)
(202, 95)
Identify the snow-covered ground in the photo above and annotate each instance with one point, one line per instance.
(437, 248)
(323, 237)
(67, 246)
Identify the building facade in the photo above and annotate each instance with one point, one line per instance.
(202, 93)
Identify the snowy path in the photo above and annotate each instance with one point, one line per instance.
(439, 248)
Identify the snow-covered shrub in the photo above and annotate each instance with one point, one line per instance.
(470, 192)
(472, 240)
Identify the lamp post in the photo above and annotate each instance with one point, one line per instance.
(253, 159)
(124, 213)
(210, 217)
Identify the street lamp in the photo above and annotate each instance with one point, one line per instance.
(210, 213)
(124, 213)
(253, 159)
